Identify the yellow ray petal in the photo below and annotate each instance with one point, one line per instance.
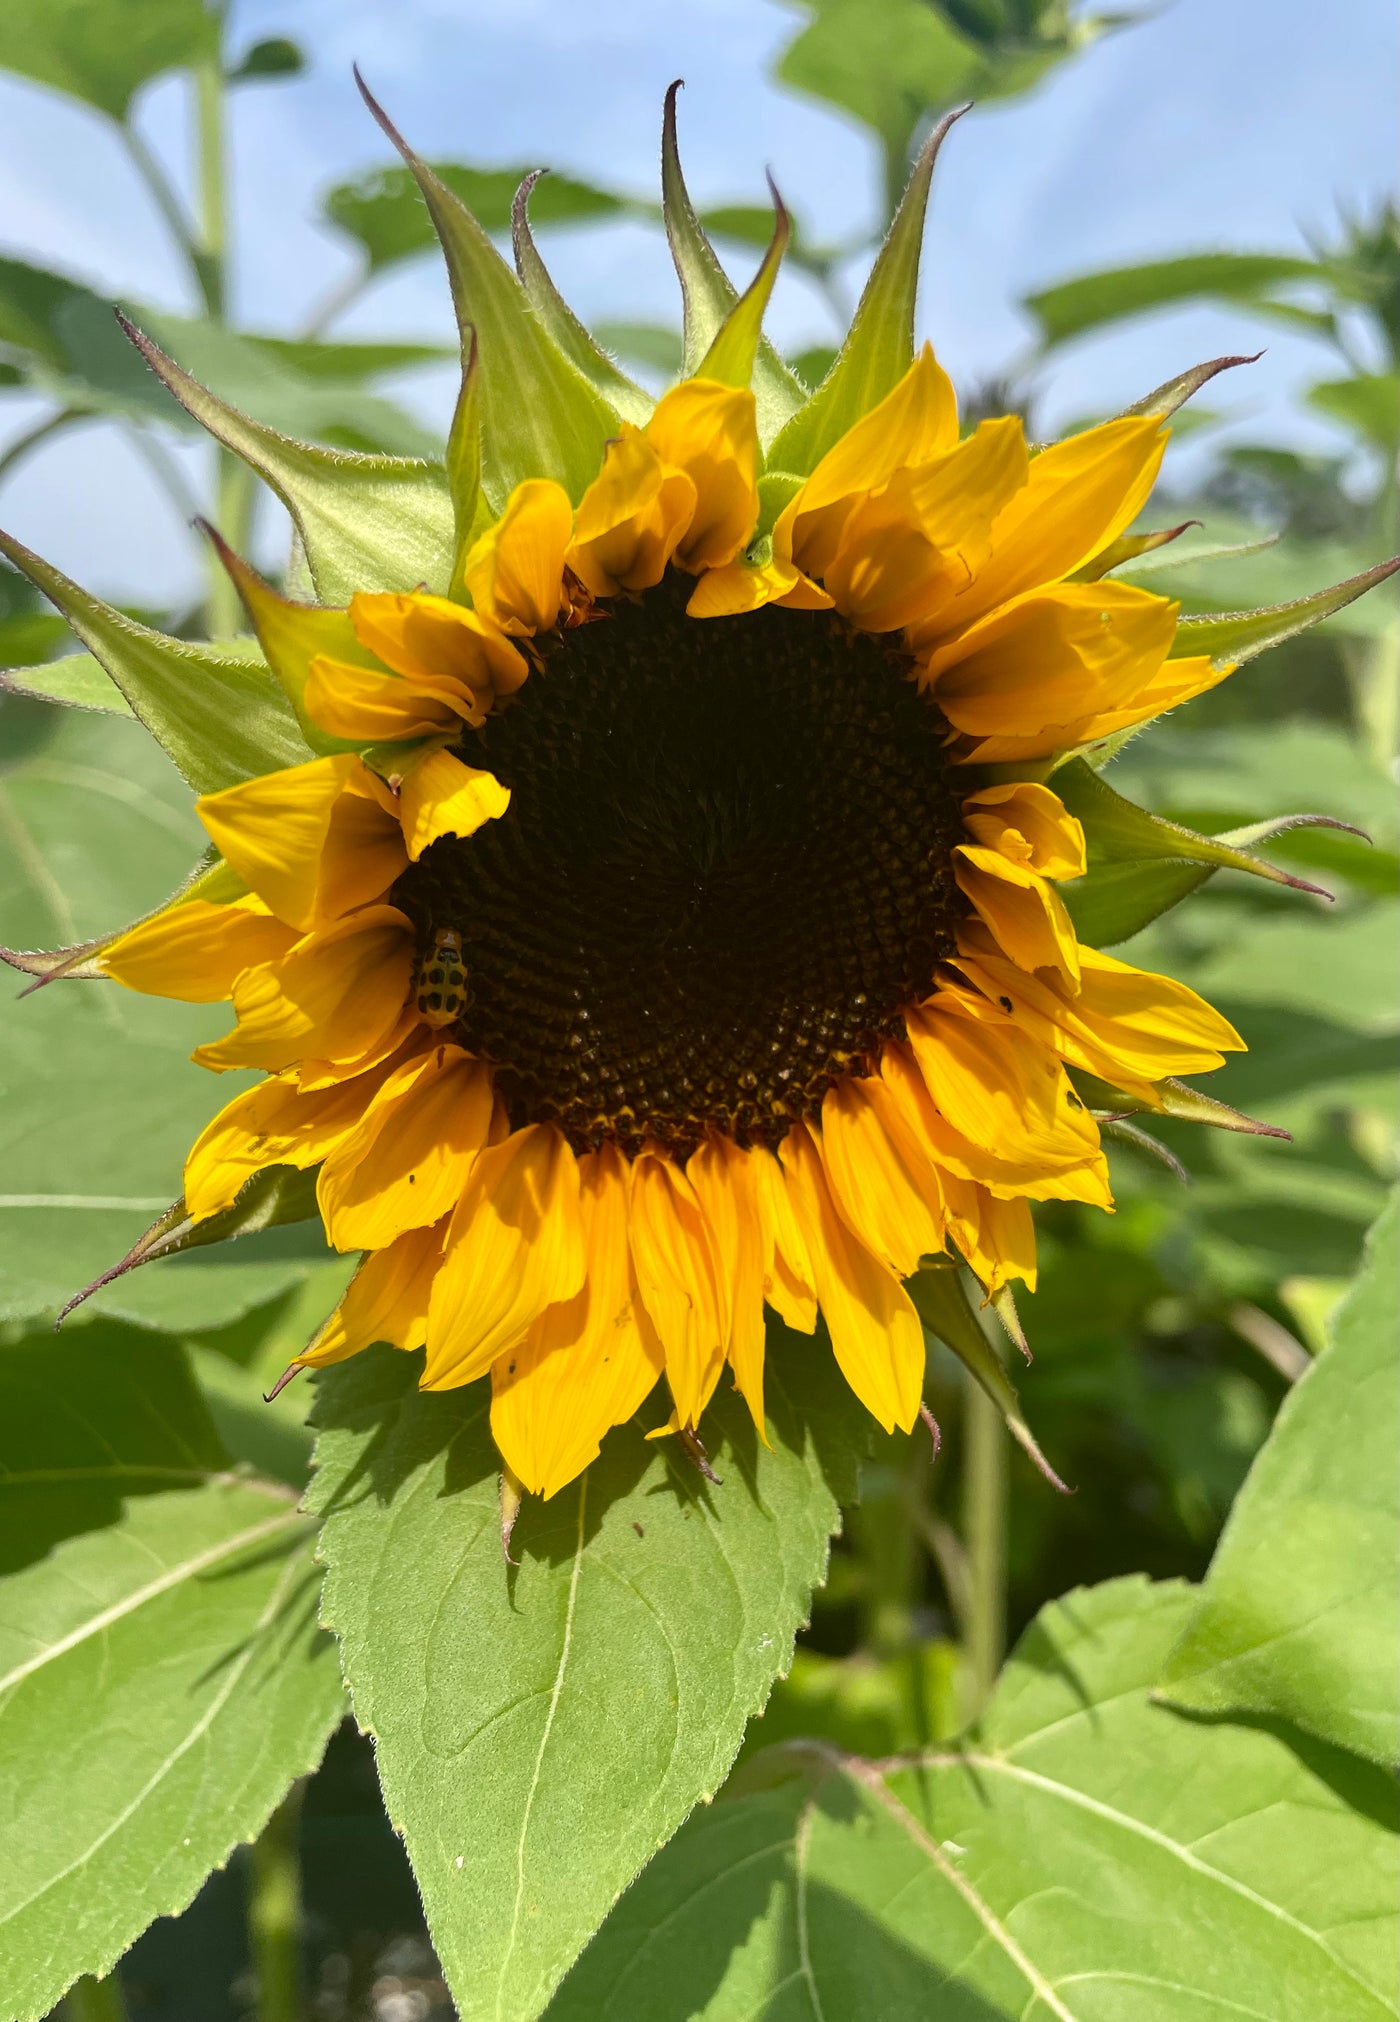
(1057, 657)
(1029, 824)
(584, 1365)
(875, 1332)
(787, 1283)
(679, 1280)
(386, 1300)
(1001, 1092)
(440, 796)
(889, 1201)
(515, 571)
(997, 1237)
(710, 432)
(426, 637)
(408, 1033)
(1079, 495)
(275, 831)
(339, 991)
(631, 518)
(726, 1186)
(1025, 914)
(195, 951)
(515, 1246)
(407, 1160)
(368, 706)
(727, 592)
(1174, 682)
(272, 1124)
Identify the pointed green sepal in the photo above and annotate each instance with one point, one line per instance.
(941, 1301)
(276, 1195)
(733, 354)
(219, 718)
(879, 347)
(578, 345)
(1141, 864)
(1164, 400)
(1232, 637)
(77, 681)
(1127, 548)
(469, 508)
(212, 880)
(540, 416)
(1118, 1131)
(1175, 1099)
(292, 635)
(708, 294)
(365, 522)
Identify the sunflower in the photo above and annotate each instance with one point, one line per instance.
(667, 921)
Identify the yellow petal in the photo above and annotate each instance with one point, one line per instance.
(365, 705)
(787, 1284)
(515, 1246)
(339, 991)
(515, 571)
(678, 1280)
(727, 592)
(1050, 663)
(1174, 682)
(584, 1365)
(887, 1199)
(875, 1332)
(710, 432)
(1029, 824)
(430, 638)
(912, 425)
(272, 1124)
(997, 1237)
(276, 831)
(630, 519)
(195, 951)
(998, 1087)
(1079, 495)
(1025, 914)
(726, 1187)
(407, 1160)
(440, 796)
(386, 1300)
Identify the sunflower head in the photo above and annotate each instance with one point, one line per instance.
(637, 867)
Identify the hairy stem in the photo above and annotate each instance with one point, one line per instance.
(984, 1538)
(90, 2000)
(274, 1913)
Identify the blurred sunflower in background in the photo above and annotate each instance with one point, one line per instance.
(664, 920)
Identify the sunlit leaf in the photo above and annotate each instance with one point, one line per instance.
(383, 209)
(1091, 300)
(104, 53)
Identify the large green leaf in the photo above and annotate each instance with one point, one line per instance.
(1300, 1614)
(162, 1679)
(1091, 300)
(383, 208)
(105, 52)
(542, 1729)
(99, 1101)
(1088, 1856)
(63, 339)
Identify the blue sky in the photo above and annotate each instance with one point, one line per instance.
(1216, 123)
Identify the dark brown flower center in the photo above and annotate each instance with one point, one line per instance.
(723, 873)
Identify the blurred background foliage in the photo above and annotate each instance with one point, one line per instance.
(1164, 1337)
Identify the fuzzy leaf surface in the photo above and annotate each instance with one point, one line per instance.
(159, 1644)
(1088, 1856)
(542, 1729)
(1298, 1616)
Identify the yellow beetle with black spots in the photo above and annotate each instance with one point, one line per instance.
(441, 985)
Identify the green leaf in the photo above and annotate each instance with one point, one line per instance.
(540, 416)
(366, 522)
(105, 53)
(162, 1680)
(941, 1300)
(709, 295)
(554, 313)
(1088, 1857)
(274, 56)
(65, 341)
(220, 716)
(879, 347)
(651, 344)
(1233, 637)
(1298, 1617)
(1091, 300)
(383, 209)
(540, 1730)
(886, 61)
(99, 1101)
(79, 681)
(1369, 403)
(353, 359)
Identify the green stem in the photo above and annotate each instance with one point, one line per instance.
(165, 198)
(274, 1913)
(984, 1537)
(90, 2000)
(41, 431)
